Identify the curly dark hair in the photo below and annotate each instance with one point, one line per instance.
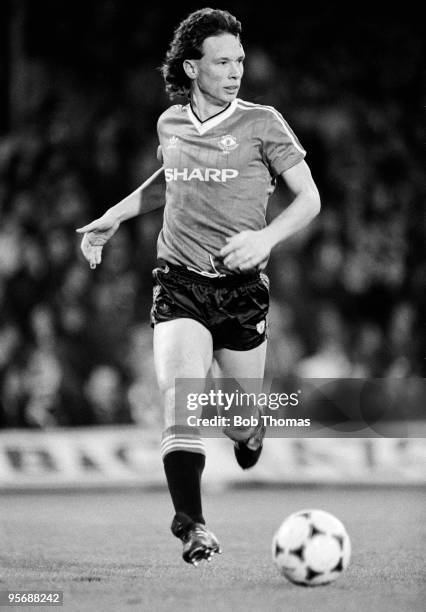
(187, 42)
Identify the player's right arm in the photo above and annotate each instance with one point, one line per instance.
(98, 232)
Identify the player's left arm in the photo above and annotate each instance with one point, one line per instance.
(248, 249)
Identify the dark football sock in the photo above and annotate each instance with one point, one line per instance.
(184, 460)
(183, 472)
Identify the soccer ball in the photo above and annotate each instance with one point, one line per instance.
(311, 547)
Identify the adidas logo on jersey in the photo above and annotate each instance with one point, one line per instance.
(200, 174)
(173, 142)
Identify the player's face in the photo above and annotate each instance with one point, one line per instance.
(220, 69)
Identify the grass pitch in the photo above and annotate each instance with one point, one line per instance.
(113, 551)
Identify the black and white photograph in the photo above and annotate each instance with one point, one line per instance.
(212, 307)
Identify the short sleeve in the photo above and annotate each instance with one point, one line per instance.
(281, 148)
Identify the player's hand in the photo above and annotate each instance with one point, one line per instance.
(246, 250)
(96, 235)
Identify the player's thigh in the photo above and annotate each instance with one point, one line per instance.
(242, 371)
(241, 365)
(183, 348)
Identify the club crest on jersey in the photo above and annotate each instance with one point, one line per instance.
(228, 143)
(173, 142)
(260, 327)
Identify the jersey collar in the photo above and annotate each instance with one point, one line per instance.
(203, 126)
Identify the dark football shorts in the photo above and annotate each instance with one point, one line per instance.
(232, 308)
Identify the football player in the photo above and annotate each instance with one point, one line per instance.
(221, 157)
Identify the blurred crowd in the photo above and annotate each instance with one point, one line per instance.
(347, 293)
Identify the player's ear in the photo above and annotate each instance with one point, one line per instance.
(191, 68)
